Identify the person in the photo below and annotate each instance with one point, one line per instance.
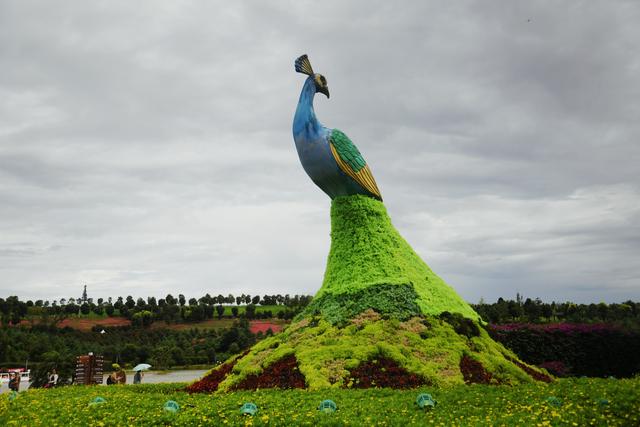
(137, 378)
(120, 375)
(14, 382)
(111, 379)
(53, 379)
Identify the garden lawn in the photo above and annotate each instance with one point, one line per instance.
(578, 402)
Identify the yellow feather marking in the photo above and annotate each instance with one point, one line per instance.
(364, 177)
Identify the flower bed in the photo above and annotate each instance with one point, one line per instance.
(383, 372)
(282, 374)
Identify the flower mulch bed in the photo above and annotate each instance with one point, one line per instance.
(210, 383)
(383, 372)
(473, 372)
(282, 374)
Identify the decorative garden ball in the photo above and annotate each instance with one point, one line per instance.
(249, 409)
(327, 406)
(554, 401)
(425, 401)
(171, 406)
(98, 401)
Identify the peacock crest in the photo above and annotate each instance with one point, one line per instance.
(303, 65)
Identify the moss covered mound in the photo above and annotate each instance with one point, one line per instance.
(381, 318)
(366, 252)
(420, 350)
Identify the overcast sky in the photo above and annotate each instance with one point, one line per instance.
(146, 147)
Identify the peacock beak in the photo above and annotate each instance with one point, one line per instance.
(324, 90)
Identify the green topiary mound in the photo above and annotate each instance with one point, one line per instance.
(368, 252)
(379, 305)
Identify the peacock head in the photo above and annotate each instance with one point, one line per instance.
(303, 66)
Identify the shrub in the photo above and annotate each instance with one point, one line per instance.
(595, 350)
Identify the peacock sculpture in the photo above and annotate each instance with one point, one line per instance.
(381, 318)
(328, 156)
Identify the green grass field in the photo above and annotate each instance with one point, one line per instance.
(579, 402)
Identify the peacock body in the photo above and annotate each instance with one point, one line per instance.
(327, 155)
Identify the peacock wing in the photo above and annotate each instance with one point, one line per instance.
(351, 161)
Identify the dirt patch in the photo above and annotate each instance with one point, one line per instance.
(206, 324)
(85, 325)
(383, 372)
(256, 326)
(282, 374)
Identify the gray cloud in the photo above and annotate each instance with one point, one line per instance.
(147, 149)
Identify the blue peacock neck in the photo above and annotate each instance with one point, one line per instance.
(305, 121)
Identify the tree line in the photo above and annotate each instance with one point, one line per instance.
(535, 311)
(143, 312)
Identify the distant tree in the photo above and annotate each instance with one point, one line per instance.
(109, 309)
(250, 311)
(208, 311)
(514, 309)
(142, 318)
(196, 313)
(234, 311)
(256, 300)
(603, 311)
(220, 311)
(193, 301)
(71, 308)
(85, 308)
(182, 300)
(130, 303)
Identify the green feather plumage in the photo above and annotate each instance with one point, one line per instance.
(347, 151)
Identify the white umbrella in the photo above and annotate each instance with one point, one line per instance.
(142, 367)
